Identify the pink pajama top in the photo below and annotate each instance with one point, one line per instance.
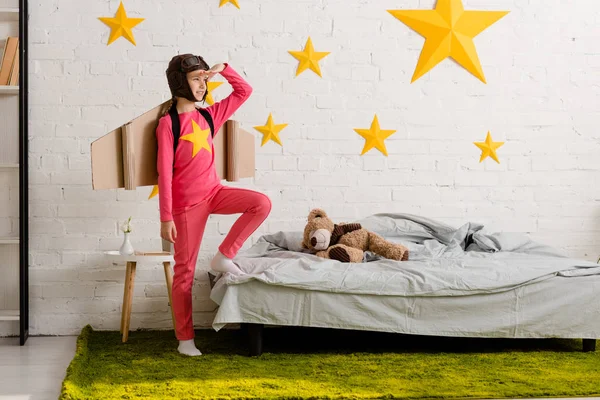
(193, 177)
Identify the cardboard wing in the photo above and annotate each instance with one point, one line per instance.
(126, 157)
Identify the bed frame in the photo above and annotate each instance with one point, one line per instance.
(255, 339)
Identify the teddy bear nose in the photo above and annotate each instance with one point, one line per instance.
(313, 241)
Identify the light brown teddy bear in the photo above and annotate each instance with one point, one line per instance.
(346, 242)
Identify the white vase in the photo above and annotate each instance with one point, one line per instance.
(126, 248)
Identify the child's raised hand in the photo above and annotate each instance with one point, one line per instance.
(215, 69)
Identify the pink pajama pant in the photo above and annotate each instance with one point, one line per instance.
(190, 224)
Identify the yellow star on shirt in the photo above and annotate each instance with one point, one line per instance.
(234, 2)
(309, 58)
(270, 131)
(210, 86)
(449, 31)
(488, 148)
(120, 25)
(374, 137)
(199, 138)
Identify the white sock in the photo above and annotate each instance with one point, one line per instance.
(188, 347)
(220, 263)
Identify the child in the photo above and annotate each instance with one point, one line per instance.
(189, 187)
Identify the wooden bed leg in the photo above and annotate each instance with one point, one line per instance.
(255, 335)
(589, 345)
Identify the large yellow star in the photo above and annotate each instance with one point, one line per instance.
(374, 137)
(234, 2)
(449, 31)
(488, 148)
(210, 86)
(199, 138)
(270, 131)
(309, 58)
(120, 25)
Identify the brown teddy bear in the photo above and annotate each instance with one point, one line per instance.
(346, 242)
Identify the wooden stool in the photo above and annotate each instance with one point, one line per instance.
(166, 258)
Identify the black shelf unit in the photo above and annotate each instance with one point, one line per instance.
(23, 174)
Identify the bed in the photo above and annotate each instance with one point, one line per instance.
(460, 282)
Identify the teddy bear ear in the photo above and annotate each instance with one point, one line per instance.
(316, 213)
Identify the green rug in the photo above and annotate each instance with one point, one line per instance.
(327, 364)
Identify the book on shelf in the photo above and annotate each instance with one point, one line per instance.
(14, 72)
(9, 72)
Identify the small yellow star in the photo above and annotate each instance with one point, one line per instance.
(234, 2)
(154, 192)
(199, 138)
(270, 131)
(120, 25)
(210, 86)
(488, 148)
(309, 58)
(374, 137)
(449, 31)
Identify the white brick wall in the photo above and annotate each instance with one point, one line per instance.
(541, 61)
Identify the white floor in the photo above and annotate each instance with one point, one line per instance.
(36, 370)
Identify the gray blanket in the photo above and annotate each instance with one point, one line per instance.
(444, 261)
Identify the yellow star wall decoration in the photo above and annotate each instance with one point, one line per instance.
(198, 138)
(309, 58)
(234, 2)
(210, 86)
(154, 192)
(374, 137)
(121, 25)
(488, 148)
(270, 131)
(449, 31)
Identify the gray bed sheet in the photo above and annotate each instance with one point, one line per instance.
(559, 307)
(444, 261)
